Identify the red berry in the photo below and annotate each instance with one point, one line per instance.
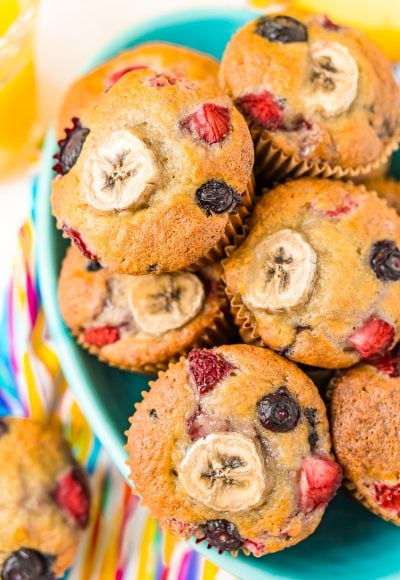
(373, 338)
(101, 335)
(319, 481)
(210, 122)
(389, 363)
(163, 80)
(79, 243)
(207, 369)
(388, 497)
(180, 528)
(349, 203)
(262, 108)
(257, 548)
(327, 23)
(115, 76)
(73, 496)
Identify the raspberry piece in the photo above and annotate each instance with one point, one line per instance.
(319, 481)
(70, 147)
(210, 122)
(163, 80)
(373, 338)
(387, 496)
(72, 495)
(101, 335)
(262, 108)
(327, 23)
(115, 76)
(79, 243)
(207, 369)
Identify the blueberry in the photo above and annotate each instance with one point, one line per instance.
(93, 266)
(26, 564)
(217, 197)
(70, 147)
(223, 535)
(279, 411)
(281, 29)
(385, 260)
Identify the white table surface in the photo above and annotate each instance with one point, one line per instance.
(69, 33)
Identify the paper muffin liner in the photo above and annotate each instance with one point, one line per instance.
(235, 230)
(218, 332)
(244, 320)
(273, 165)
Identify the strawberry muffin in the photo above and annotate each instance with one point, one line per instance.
(156, 177)
(159, 56)
(320, 98)
(44, 501)
(141, 322)
(388, 189)
(232, 446)
(318, 277)
(365, 423)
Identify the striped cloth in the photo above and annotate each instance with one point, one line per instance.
(122, 542)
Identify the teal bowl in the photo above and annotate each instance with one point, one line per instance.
(350, 543)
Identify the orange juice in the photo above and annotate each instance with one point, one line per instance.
(17, 82)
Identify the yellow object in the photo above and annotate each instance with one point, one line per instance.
(17, 83)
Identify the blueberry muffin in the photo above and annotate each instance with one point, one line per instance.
(156, 176)
(159, 56)
(141, 322)
(44, 501)
(232, 446)
(318, 277)
(388, 189)
(365, 423)
(320, 98)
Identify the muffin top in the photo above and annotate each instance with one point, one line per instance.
(140, 322)
(388, 189)
(237, 437)
(44, 500)
(365, 422)
(318, 277)
(159, 56)
(321, 91)
(155, 149)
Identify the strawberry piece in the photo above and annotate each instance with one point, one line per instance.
(327, 23)
(389, 363)
(207, 369)
(210, 122)
(115, 76)
(73, 496)
(101, 335)
(262, 108)
(319, 481)
(388, 496)
(163, 80)
(373, 338)
(257, 548)
(79, 243)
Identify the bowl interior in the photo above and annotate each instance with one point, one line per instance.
(350, 542)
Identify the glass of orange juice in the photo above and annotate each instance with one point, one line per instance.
(17, 83)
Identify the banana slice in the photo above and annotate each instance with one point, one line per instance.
(334, 79)
(225, 472)
(282, 272)
(166, 301)
(121, 173)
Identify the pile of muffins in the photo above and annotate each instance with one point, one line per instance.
(218, 240)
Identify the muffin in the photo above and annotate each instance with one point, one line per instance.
(320, 98)
(44, 501)
(159, 56)
(318, 277)
(232, 446)
(156, 176)
(141, 322)
(388, 189)
(365, 423)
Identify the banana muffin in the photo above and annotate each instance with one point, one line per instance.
(232, 446)
(44, 501)
(320, 98)
(388, 189)
(318, 277)
(141, 322)
(159, 56)
(365, 424)
(156, 177)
